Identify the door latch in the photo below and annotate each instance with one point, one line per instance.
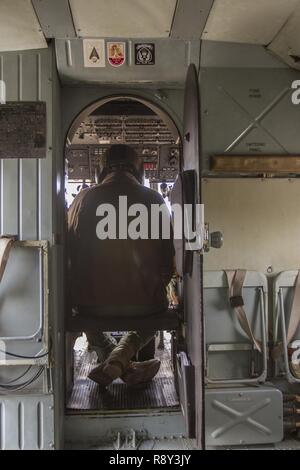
(212, 239)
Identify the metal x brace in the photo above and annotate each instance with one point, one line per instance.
(241, 417)
(255, 121)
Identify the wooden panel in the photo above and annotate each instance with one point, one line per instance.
(256, 164)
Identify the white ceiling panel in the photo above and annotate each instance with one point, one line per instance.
(19, 27)
(247, 21)
(287, 43)
(123, 18)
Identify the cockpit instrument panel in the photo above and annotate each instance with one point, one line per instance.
(161, 162)
(165, 167)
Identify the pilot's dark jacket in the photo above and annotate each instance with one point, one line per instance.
(116, 276)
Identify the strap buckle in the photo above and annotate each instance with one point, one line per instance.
(236, 301)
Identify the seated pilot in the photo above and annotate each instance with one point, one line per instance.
(113, 273)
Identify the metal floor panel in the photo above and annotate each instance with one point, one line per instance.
(111, 428)
(86, 395)
(147, 444)
(187, 444)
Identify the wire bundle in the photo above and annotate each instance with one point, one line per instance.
(14, 385)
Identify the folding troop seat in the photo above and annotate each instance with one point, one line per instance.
(235, 305)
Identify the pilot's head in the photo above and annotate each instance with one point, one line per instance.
(123, 158)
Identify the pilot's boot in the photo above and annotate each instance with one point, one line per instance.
(116, 364)
(136, 374)
(140, 373)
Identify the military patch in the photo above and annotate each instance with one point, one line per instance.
(94, 52)
(116, 53)
(144, 54)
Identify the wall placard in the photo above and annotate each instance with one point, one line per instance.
(23, 130)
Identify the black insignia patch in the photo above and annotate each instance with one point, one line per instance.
(145, 54)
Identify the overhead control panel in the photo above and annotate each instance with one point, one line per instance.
(130, 122)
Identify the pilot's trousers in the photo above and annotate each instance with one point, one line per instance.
(104, 343)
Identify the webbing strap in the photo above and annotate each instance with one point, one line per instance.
(295, 312)
(5, 247)
(294, 320)
(235, 281)
(294, 323)
(295, 369)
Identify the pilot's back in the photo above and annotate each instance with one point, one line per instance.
(118, 274)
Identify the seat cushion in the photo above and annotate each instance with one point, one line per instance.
(166, 320)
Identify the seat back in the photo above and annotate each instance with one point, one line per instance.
(230, 355)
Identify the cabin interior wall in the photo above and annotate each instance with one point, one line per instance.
(247, 110)
(30, 194)
(260, 221)
(26, 184)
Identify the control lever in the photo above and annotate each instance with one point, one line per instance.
(212, 240)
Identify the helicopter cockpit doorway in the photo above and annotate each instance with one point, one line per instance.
(156, 139)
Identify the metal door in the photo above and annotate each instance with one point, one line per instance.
(187, 190)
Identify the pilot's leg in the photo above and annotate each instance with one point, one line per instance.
(118, 363)
(139, 373)
(128, 346)
(138, 339)
(102, 343)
